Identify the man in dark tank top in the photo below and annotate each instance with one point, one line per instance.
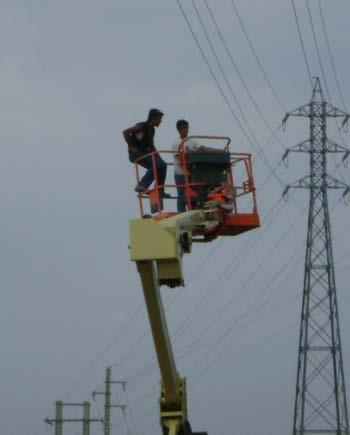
(140, 140)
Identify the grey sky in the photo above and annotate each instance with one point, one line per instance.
(74, 74)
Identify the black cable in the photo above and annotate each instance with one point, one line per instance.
(246, 350)
(258, 344)
(145, 333)
(250, 348)
(256, 57)
(331, 55)
(210, 293)
(218, 285)
(233, 298)
(105, 350)
(239, 291)
(265, 287)
(285, 279)
(131, 413)
(191, 317)
(336, 79)
(255, 144)
(323, 75)
(261, 152)
(317, 48)
(223, 336)
(226, 346)
(228, 272)
(302, 43)
(197, 375)
(228, 84)
(234, 64)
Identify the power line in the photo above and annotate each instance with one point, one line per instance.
(190, 318)
(331, 55)
(218, 341)
(233, 298)
(273, 280)
(255, 144)
(240, 75)
(302, 42)
(256, 56)
(323, 73)
(259, 150)
(257, 147)
(196, 376)
(228, 84)
(190, 348)
(145, 333)
(210, 293)
(105, 350)
(317, 48)
(145, 369)
(218, 285)
(215, 363)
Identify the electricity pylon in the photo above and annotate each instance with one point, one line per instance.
(320, 401)
(108, 405)
(59, 420)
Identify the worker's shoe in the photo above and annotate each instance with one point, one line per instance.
(140, 189)
(166, 195)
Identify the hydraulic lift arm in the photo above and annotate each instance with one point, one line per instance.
(173, 409)
(157, 248)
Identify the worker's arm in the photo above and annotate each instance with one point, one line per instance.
(127, 132)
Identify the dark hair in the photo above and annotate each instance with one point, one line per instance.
(181, 123)
(153, 113)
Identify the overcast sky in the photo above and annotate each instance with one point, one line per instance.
(74, 74)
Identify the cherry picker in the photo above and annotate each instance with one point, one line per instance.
(215, 184)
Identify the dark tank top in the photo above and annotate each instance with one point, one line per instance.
(144, 140)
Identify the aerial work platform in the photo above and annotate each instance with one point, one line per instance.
(220, 201)
(219, 182)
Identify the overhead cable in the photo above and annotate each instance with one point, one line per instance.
(331, 56)
(260, 151)
(238, 72)
(256, 57)
(302, 44)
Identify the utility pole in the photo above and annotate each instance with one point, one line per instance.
(108, 405)
(320, 400)
(59, 420)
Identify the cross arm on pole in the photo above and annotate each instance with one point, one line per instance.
(307, 183)
(300, 111)
(334, 112)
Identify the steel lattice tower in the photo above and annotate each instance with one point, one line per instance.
(320, 401)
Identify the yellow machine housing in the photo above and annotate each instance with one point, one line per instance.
(165, 241)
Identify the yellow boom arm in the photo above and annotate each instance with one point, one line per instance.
(157, 248)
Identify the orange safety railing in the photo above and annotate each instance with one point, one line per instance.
(238, 188)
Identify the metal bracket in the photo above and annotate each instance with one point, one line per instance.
(285, 193)
(284, 121)
(285, 158)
